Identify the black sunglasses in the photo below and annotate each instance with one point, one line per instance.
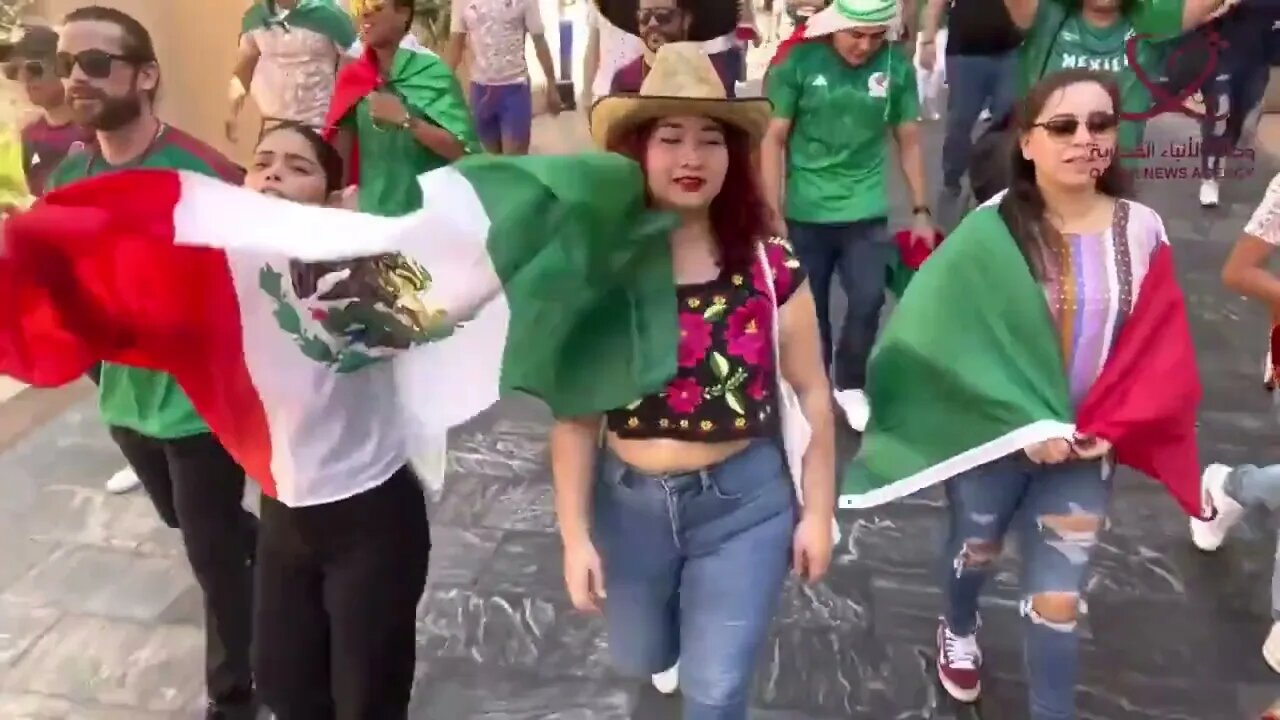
(34, 69)
(95, 63)
(1097, 123)
(662, 16)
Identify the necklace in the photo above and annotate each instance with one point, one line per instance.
(142, 157)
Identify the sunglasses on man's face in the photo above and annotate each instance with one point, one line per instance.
(1064, 127)
(660, 16)
(29, 69)
(95, 63)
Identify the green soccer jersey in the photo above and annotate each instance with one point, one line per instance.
(841, 116)
(146, 401)
(1059, 39)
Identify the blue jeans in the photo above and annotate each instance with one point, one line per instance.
(1253, 486)
(1229, 95)
(976, 82)
(694, 566)
(1057, 511)
(860, 252)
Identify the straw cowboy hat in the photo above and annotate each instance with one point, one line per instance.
(711, 18)
(682, 81)
(847, 14)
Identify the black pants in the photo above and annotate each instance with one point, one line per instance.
(337, 596)
(197, 488)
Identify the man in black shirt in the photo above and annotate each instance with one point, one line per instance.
(982, 67)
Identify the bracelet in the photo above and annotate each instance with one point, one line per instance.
(407, 123)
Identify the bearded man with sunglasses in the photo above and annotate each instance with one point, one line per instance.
(658, 22)
(107, 64)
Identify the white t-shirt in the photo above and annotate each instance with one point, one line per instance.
(1265, 222)
(295, 75)
(617, 50)
(496, 30)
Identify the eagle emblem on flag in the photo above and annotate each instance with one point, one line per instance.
(351, 314)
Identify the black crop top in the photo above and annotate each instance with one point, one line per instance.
(725, 387)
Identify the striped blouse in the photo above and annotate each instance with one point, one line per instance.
(1095, 280)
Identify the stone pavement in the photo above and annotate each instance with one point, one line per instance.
(99, 615)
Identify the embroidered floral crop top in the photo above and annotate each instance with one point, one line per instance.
(724, 388)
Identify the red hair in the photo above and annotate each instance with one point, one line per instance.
(737, 212)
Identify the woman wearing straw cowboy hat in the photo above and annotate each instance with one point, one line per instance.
(658, 22)
(834, 102)
(676, 511)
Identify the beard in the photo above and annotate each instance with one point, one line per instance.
(112, 113)
(656, 38)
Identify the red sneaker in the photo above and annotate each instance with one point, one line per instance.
(959, 664)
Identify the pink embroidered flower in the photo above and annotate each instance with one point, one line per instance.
(695, 338)
(758, 386)
(781, 273)
(684, 396)
(748, 331)
(319, 314)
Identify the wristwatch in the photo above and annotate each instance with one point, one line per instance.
(921, 210)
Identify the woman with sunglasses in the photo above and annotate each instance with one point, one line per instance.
(1088, 249)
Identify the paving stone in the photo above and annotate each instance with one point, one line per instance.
(116, 663)
(92, 516)
(20, 554)
(43, 707)
(21, 625)
(463, 691)
(112, 583)
(459, 555)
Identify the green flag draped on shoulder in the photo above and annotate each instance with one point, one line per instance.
(969, 369)
(424, 83)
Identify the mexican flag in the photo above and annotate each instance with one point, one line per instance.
(969, 369)
(545, 275)
(422, 81)
(322, 17)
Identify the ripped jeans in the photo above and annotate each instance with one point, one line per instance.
(1057, 511)
(1254, 486)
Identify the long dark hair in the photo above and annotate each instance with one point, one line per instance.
(326, 155)
(1023, 208)
(737, 213)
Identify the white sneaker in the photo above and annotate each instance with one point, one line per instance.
(1271, 647)
(856, 407)
(1208, 193)
(668, 680)
(986, 114)
(122, 482)
(1209, 535)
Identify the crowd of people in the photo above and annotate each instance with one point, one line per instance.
(682, 512)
